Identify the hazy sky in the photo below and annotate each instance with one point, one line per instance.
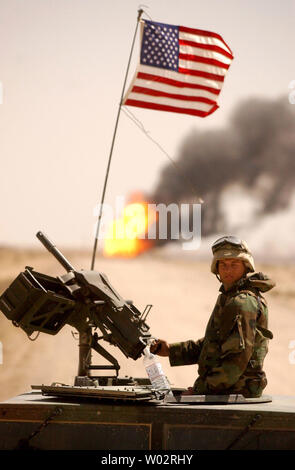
(62, 68)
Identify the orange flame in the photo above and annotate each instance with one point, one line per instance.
(122, 238)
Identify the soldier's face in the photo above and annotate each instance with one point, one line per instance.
(230, 270)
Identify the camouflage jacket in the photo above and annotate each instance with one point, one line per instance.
(230, 356)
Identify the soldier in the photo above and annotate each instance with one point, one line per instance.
(230, 356)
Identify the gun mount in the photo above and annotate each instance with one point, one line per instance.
(86, 300)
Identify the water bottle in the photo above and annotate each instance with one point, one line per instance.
(155, 372)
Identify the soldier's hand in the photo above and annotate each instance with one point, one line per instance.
(160, 347)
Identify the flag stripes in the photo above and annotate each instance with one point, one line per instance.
(181, 70)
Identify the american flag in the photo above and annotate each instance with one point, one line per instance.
(181, 69)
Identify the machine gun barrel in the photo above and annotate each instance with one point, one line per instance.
(83, 300)
(56, 253)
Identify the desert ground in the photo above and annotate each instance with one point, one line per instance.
(183, 293)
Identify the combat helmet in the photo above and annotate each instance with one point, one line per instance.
(231, 247)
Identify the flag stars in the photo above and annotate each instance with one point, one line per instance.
(160, 45)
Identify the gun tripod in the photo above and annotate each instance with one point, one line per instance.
(87, 342)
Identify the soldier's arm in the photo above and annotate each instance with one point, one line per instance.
(237, 342)
(185, 353)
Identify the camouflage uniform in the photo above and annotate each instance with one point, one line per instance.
(230, 356)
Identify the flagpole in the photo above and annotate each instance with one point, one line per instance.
(140, 12)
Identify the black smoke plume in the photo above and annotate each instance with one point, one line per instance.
(256, 151)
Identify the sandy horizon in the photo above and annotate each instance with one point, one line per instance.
(183, 293)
